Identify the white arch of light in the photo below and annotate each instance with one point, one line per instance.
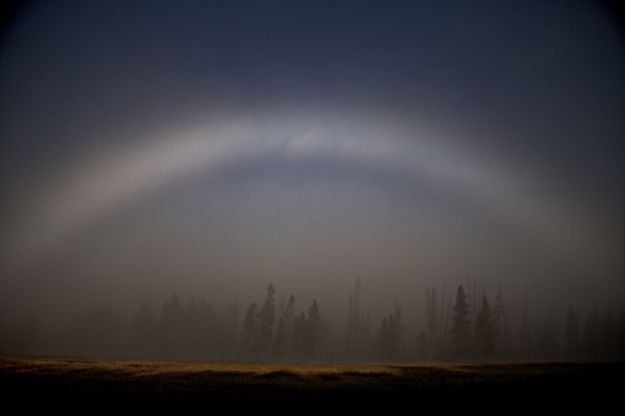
(102, 186)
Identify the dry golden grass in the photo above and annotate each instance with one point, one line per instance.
(74, 380)
(141, 367)
(146, 368)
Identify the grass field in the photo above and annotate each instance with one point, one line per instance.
(59, 381)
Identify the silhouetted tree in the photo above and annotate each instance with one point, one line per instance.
(525, 331)
(354, 324)
(485, 330)
(571, 332)
(171, 328)
(397, 333)
(621, 336)
(249, 336)
(191, 331)
(284, 333)
(502, 324)
(308, 331)
(208, 335)
(431, 317)
(266, 318)
(592, 335)
(231, 326)
(461, 325)
(300, 335)
(608, 337)
(391, 336)
(313, 328)
(383, 339)
(358, 325)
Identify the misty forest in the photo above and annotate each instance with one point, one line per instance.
(461, 326)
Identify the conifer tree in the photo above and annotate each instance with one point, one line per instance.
(461, 324)
(266, 318)
(486, 330)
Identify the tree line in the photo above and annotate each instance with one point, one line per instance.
(463, 326)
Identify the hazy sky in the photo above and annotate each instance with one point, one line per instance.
(211, 147)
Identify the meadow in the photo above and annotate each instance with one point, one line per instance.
(65, 381)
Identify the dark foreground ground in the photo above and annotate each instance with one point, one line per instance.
(485, 388)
